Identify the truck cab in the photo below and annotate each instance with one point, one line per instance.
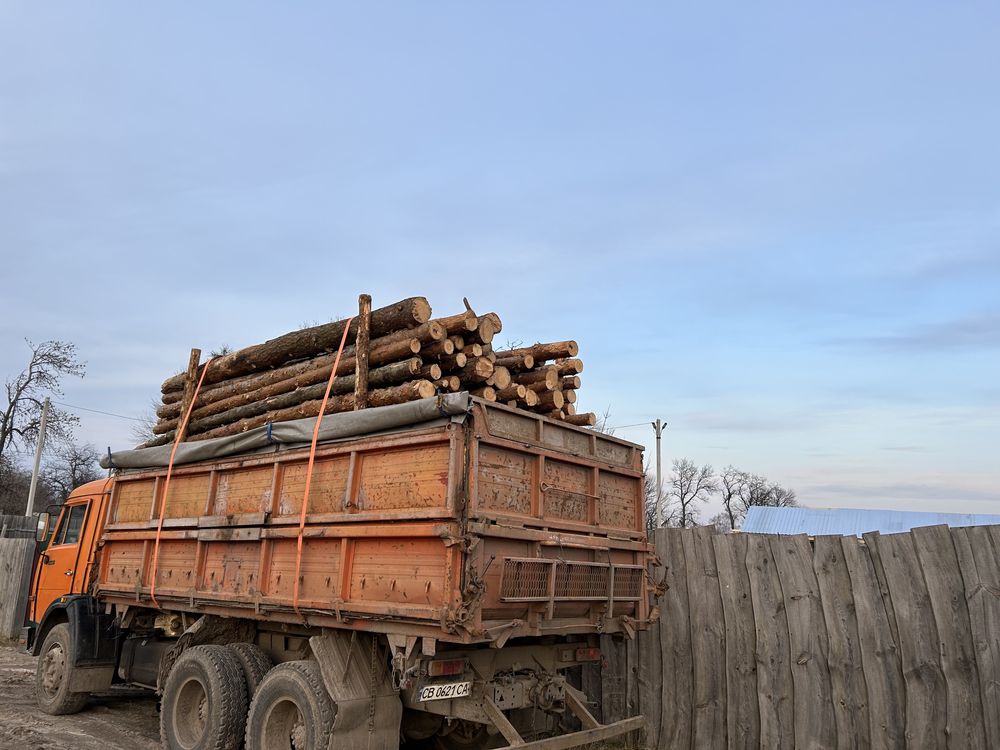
(68, 536)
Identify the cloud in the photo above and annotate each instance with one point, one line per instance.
(974, 332)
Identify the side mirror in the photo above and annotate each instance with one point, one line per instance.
(42, 521)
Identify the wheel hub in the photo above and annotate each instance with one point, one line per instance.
(53, 668)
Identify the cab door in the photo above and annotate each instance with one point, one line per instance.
(60, 566)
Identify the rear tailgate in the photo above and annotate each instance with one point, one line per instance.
(559, 510)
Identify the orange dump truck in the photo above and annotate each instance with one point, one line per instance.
(452, 560)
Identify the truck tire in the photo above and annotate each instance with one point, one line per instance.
(204, 705)
(292, 710)
(255, 664)
(53, 672)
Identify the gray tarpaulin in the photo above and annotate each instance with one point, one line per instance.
(296, 432)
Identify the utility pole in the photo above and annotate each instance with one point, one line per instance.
(658, 426)
(38, 458)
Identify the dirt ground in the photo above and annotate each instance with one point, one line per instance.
(125, 721)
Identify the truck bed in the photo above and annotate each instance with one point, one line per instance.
(478, 528)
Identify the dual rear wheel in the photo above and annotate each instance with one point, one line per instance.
(217, 697)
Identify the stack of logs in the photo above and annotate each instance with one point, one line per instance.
(397, 353)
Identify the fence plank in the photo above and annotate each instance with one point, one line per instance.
(871, 540)
(743, 717)
(925, 689)
(879, 653)
(774, 677)
(964, 718)
(675, 645)
(708, 640)
(847, 677)
(16, 557)
(977, 559)
(807, 642)
(649, 676)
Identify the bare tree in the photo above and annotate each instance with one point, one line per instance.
(758, 490)
(731, 482)
(20, 417)
(142, 430)
(690, 485)
(70, 466)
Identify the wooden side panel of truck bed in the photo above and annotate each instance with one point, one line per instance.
(500, 525)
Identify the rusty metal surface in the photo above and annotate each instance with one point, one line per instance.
(406, 533)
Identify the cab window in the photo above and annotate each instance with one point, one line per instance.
(70, 525)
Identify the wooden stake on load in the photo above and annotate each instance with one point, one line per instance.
(361, 352)
(190, 384)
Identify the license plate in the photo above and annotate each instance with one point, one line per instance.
(440, 692)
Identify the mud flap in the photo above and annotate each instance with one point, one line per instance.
(357, 676)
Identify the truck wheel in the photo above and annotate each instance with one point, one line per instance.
(204, 705)
(291, 710)
(255, 664)
(53, 672)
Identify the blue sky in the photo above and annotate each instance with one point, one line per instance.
(776, 226)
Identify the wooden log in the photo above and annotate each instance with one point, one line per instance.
(458, 342)
(427, 333)
(551, 400)
(238, 409)
(454, 362)
(411, 391)
(570, 397)
(569, 366)
(430, 372)
(569, 408)
(516, 364)
(570, 382)
(484, 332)
(539, 387)
(530, 400)
(381, 377)
(495, 321)
(459, 324)
(477, 370)
(380, 354)
(513, 391)
(472, 349)
(500, 378)
(449, 383)
(545, 352)
(548, 376)
(438, 349)
(362, 349)
(487, 393)
(307, 343)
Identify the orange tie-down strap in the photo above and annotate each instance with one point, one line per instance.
(309, 469)
(166, 484)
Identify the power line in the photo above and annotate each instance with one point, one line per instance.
(98, 411)
(623, 426)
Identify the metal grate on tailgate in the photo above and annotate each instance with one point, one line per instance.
(543, 580)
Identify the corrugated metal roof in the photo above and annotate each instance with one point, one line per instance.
(852, 521)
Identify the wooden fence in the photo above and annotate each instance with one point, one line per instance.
(16, 556)
(785, 642)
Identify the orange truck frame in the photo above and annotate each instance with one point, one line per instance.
(445, 573)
